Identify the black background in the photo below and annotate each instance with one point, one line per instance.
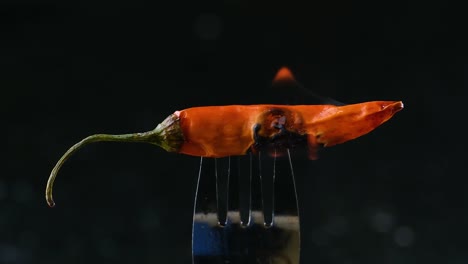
(72, 69)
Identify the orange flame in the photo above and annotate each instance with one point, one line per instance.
(284, 74)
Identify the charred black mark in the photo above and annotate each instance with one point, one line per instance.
(256, 129)
(281, 141)
(275, 131)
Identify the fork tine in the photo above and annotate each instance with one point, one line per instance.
(257, 216)
(206, 240)
(286, 203)
(286, 210)
(222, 172)
(243, 172)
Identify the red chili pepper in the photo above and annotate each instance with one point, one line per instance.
(219, 131)
(231, 130)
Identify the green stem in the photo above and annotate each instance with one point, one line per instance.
(136, 137)
(168, 135)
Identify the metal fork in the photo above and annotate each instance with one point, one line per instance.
(246, 211)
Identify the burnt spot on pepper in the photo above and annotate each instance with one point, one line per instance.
(278, 130)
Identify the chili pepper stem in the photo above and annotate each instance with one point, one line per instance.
(167, 135)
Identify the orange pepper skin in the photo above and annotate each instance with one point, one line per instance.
(220, 131)
(217, 131)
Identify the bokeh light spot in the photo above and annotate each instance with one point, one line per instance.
(404, 236)
(382, 221)
(208, 26)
